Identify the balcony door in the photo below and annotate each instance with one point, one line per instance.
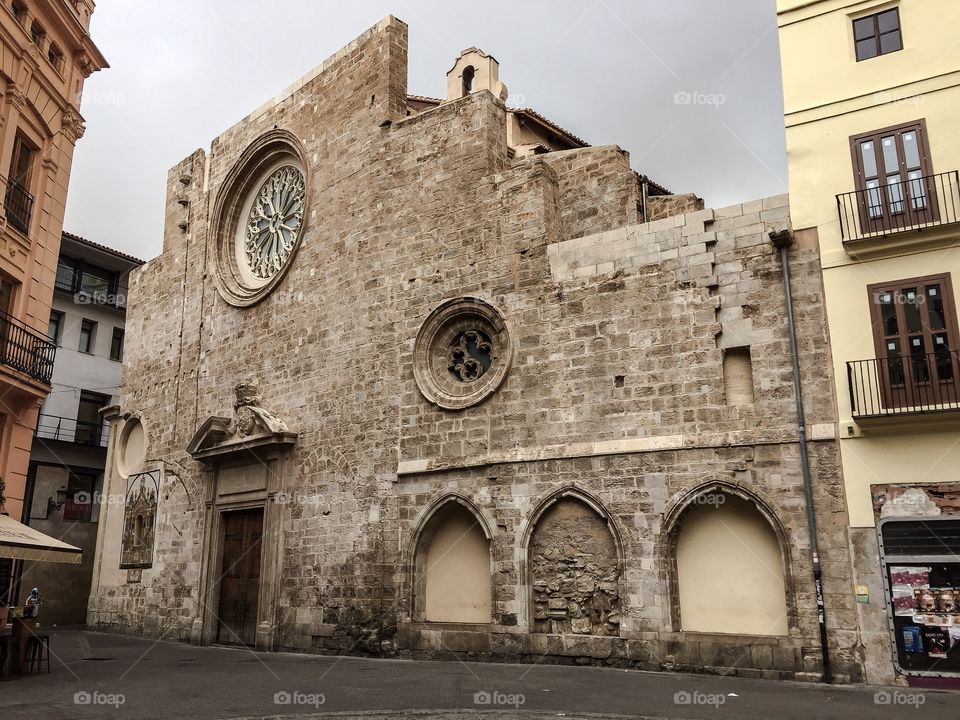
(6, 296)
(89, 422)
(915, 332)
(9, 350)
(895, 188)
(18, 202)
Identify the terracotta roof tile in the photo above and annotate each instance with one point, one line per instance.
(104, 248)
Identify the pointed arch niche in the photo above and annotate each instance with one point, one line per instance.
(574, 566)
(452, 565)
(727, 552)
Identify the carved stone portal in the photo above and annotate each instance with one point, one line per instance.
(246, 468)
(139, 520)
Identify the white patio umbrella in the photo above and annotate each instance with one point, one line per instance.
(22, 542)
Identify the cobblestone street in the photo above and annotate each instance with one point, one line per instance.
(95, 675)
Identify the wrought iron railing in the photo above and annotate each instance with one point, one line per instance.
(52, 427)
(912, 204)
(18, 205)
(905, 384)
(88, 288)
(26, 350)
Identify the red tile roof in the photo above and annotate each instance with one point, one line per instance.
(104, 248)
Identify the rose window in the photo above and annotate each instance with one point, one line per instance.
(259, 217)
(462, 353)
(470, 355)
(274, 221)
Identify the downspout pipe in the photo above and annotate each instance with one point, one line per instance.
(646, 199)
(782, 240)
(644, 194)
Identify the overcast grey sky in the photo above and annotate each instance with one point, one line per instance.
(691, 88)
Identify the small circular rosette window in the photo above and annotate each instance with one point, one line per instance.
(462, 353)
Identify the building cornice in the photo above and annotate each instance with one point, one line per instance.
(816, 8)
(892, 94)
(69, 24)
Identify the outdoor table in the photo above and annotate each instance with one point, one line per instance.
(14, 643)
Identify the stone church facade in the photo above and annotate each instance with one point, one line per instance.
(426, 378)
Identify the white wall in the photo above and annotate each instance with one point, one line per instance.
(73, 369)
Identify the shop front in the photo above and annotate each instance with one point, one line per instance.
(920, 558)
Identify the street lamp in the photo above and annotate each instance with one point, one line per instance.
(52, 505)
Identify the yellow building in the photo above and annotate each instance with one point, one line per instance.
(46, 55)
(872, 115)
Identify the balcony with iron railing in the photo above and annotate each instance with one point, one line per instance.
(913, 205)
(25, 349)
(18, 206)
(89, 287)
(71, 430)
(905, 385)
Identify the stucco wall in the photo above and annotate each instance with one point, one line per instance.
(730, 570)
(829, 97)
(456, 570)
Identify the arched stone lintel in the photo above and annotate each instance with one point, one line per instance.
(574, 492)
(674, 516)
(666, 552)
(423, 519)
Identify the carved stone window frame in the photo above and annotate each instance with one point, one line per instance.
(262, 157)
(431, 354)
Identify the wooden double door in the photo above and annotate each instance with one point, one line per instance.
(240, 577)
(916, 336)
(894, 178)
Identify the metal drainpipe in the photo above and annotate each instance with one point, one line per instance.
(782, 241)
(645, 193)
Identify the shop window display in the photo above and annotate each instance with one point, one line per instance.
(924, 596)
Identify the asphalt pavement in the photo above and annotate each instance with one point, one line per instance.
(96, 675)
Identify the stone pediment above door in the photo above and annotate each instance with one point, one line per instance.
(252, 429)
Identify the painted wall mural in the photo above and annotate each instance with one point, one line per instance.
(139, 518)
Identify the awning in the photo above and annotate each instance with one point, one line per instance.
(24, 543)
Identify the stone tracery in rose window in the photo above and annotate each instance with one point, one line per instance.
(274, 221)
(470, 355)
